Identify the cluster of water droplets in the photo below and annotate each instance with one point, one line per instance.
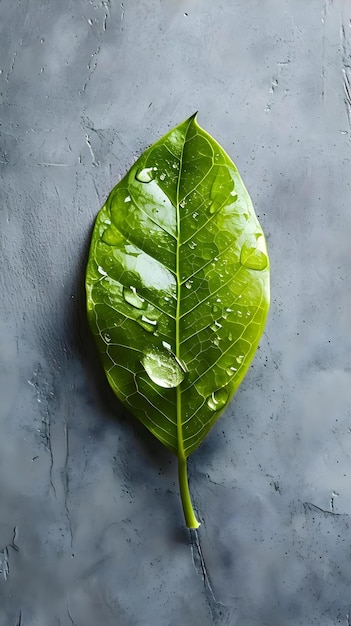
(161, 364)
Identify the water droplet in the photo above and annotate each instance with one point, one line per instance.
(254, 254)
(146, 174)
(239, 359)
(182, 205)
(188, 284)
(132, 297)
(216, 326)
(195, 215)
(230, 336)
(107, 338)
(167, 345)
(148, 324)
(226, 312)
(162, 368)
(248, 314)
(101, 271)
(175, 165)
(217, 399)
(231, 371)
(127, 199)
(239, 313)
(216, 341)
(162, 176)
(215, 309)
(192, 245)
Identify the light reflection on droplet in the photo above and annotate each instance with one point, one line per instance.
(131, 296)
(146, 174)
(217, 399)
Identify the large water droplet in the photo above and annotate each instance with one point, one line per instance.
(217, 399)
(148, 324)
(254, 254)
(132, 297)
(146, 174)
(162, 368)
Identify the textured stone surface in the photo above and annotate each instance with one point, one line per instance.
(91, 530)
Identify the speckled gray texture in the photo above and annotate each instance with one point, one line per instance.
(91, 530)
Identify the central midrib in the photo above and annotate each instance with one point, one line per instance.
(181, 454)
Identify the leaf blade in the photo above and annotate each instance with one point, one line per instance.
(184, 242)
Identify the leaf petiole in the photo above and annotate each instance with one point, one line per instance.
(190, 518)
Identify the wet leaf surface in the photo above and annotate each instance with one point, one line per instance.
(178, 286)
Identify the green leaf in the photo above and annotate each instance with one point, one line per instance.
(178, 289)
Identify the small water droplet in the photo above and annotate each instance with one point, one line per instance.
(216, 341)
(195, 215)
(175, 165)
(182, 205)
(239, 359)
(192, 245)
(107, 337)
(132, 297)
(167, 345)
(254, 254)
(162, 176)
(163, 369)
(216, 326)
(148, 324)
(188, 284)
(226, 312)
(248, 314)
(101, 271)
(127, 199)
(146, 174)
(239, 313)
(230, 336)
(231, 371)
(218, 399)
(215, 309)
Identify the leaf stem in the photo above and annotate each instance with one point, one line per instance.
(190, 518)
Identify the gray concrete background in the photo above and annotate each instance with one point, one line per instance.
(91, 530)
